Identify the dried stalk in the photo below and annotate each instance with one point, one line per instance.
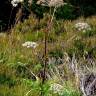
(45, 48)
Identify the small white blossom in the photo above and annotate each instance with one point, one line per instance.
(56, 88)
(30, 44)
(15, 2)
(81, 26)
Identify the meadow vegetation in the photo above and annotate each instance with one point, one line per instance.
(20, 67)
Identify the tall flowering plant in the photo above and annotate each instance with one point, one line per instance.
(55, 4)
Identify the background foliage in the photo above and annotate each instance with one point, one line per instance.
(77, 8)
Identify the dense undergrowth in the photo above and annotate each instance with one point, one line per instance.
(17, 63)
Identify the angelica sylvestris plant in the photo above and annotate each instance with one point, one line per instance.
(55, 4)
(51, 3)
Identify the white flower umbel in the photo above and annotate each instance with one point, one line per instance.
(15, 2)
(56, 88)
(51, 3)
(81, 26)
(30, 44)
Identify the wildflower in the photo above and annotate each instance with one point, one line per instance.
(51, 3)
(81, 26)
(30, 44)
(15, 2)
(56, 88)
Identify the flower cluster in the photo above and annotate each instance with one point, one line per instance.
(30, 44)
(81, 26)
(56, 88)
(51, 3)
(15, 2)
